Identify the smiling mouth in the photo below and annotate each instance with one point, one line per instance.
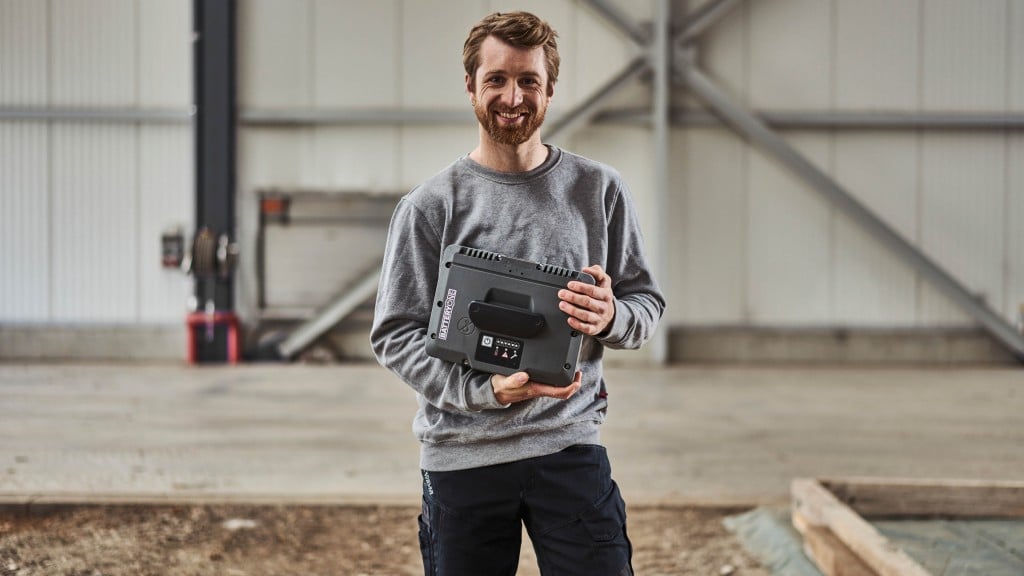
(511, 115)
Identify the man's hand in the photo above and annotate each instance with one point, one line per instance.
(518, 387)
(591, 308)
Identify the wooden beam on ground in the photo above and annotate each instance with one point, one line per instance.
(831, 556)
(820, 508)
(929, 498)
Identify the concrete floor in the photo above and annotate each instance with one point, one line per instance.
(711, 435)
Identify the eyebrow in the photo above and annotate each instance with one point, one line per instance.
(505, 72)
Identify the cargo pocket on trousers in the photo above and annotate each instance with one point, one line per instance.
(426, 541)
(607, 519)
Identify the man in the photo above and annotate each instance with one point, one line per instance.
(497, 451)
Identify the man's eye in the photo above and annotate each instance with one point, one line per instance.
(495, 80)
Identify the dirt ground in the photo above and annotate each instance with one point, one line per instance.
(246, 540)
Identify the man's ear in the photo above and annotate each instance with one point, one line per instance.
(470, 86)
(551, 90)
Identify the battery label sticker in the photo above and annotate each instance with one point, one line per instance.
(446, 317)
(499, 350)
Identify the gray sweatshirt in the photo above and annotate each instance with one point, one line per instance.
(570, 212)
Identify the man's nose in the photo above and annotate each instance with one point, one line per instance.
(512, 96)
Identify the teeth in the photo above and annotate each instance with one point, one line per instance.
(508, 115)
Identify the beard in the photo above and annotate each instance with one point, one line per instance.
(513, 135)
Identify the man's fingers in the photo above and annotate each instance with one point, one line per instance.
(590, 315)
(561, 393)
(590, 329)
(600, 277)
(518, 387)
(594, 302)
(598, 292)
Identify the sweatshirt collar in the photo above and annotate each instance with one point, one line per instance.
(554, 156)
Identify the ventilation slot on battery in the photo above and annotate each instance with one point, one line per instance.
(482, 254)
(556, 271)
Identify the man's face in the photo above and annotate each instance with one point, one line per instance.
(510, 91)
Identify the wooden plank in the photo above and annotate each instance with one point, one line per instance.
(830, 555)
(820, 508)
(872, 497)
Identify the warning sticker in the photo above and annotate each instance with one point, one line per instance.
(499, 350)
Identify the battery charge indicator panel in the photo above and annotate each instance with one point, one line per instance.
(499, 350)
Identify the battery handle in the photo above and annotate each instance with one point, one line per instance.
(505, 319)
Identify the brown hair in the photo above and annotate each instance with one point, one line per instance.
(519, 29)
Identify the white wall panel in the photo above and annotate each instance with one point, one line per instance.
(962, 218)
(23, 53)
(432, 37)
(425, 151)
(166, 200)
(271, 157)
(790, 240)
(357, 158)
(724, 52)
(94, 223)
(631, 152)
(94, 53)
(1015, 228)
(1016, 56)
(600, 53)
(872, 286)
(708, 208)
(24, 223)
(965, 55)
(165, 53)
(275, 54)
(877, 49)
(356, 53)
(791, 62)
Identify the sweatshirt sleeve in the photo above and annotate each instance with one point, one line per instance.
(639, 302)
(402, 312)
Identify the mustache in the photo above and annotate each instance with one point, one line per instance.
(522, 108)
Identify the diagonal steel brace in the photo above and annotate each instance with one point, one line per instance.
(749, 126)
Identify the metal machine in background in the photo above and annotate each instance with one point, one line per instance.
(317, 267)
(212, 333)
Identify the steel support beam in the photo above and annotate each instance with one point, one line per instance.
(110, 115)
(894, 120)
(617, 18)
(808, 120)
(759, 134)
(703, 18)
(566, 124)
(795, 119)
(214, 70)
(354, 117)
(324, 320)
(661, 65)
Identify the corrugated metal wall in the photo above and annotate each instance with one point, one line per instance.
(748, 243)
(83, 202)
(762, 248)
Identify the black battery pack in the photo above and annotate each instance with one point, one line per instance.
(500, 315)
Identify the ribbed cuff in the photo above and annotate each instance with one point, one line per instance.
(480, 394)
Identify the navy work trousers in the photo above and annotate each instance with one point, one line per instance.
(472, 519)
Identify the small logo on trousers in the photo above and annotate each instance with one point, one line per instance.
(426, 482)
